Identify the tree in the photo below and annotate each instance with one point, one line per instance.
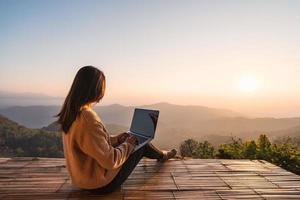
(189, 148)
(286, 155)
(250, 150)
(233, 150)
(264, 148)
(205, 150)
(194, 149)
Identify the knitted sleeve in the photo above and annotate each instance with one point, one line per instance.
(94, 141)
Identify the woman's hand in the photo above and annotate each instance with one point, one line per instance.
(122, 137)
(131, 140)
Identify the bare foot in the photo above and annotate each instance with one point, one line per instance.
(168, 155)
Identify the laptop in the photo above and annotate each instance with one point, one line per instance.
(143, 126)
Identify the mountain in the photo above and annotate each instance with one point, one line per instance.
(39, 116)
(175, 121)
(6, 123)
(112, 128)
(31, 116)
(293, 132)
(17, 140)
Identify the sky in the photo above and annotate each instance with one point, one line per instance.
(239, 55)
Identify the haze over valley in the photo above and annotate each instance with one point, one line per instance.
(176, 121)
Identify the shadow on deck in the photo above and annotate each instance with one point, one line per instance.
(47, 178)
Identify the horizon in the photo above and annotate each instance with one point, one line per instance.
(240, 56)
(46, 100)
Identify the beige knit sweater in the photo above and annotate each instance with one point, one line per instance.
(91, 158)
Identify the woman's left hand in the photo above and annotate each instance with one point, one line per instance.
(122, 137)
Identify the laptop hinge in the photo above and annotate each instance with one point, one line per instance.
(139, 134)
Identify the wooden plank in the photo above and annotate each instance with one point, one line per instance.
(47, 178)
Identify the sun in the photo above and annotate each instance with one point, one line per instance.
(248, 84)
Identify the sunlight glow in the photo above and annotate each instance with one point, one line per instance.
(248, 84)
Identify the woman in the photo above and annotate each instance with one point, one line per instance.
(97, 161)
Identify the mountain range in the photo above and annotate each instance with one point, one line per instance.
(175, 121)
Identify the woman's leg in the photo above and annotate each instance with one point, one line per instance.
(149, 151)
(152, 152)
(124, 172)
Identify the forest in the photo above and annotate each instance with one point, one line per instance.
(283, 152)
(17, 140)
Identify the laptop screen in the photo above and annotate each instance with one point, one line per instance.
(144, 122)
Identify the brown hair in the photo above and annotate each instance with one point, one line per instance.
(88, 87)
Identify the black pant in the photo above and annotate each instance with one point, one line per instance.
(148, 151)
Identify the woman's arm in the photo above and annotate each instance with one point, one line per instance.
(94, 142)
(118, 139)
(114, 140)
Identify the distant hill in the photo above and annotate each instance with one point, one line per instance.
(175, 121)
(6, 123)
(17, 140)
(40, 116)
(112, 128)
(291, 132)
(31, 116)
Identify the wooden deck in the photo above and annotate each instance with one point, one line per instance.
(47, 178)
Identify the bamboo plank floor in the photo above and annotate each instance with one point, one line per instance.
(47, 178)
